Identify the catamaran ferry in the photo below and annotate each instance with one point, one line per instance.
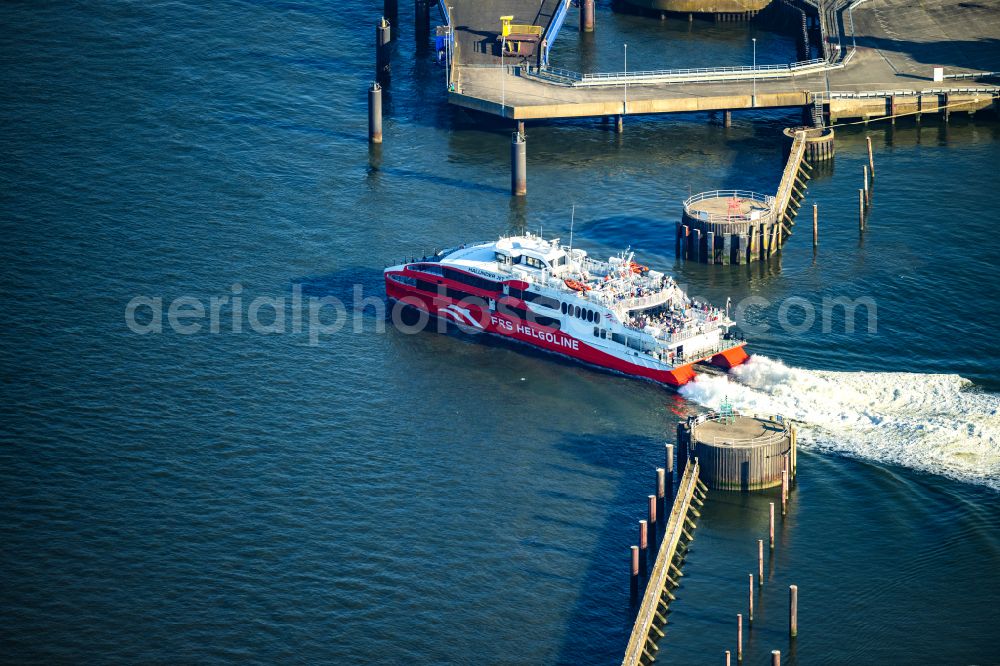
(615, 314)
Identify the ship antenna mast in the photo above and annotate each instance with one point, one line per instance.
(572, 218)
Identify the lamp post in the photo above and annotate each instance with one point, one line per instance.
(625, 104)
(754, 98)
(503, 78)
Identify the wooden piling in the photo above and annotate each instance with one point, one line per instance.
(750, 599)
(771, 525)
(643, 536)
(619, 123)
(634, 579)
(760, 561)
(871, 158)
(727, 658)
(652, 511)
(868, 194)
(710, 247)
(815, 225)
(861, 210)
(786, 464)
(795, 452)
(669, 455)
(661, 489)
(793, 610)
(727, 118)
(775, 657)
(518, 165)
(739, 637)
(586, 15)
(375, 113)
(784, 492)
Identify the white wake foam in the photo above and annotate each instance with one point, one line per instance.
(936, 423)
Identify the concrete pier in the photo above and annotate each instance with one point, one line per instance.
(819, 142)
(889, 61)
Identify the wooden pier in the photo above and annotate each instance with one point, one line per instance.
(791, 192)
(652, 614)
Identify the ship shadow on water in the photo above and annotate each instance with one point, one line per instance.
(598, 625)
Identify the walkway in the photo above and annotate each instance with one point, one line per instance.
(897, 47)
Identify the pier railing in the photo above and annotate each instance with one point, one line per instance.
(660, 575)
(723, 218)
(784, 195)
(689, 75)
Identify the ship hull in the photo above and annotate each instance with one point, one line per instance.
(475, 319)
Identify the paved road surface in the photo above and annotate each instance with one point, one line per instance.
(477, 25)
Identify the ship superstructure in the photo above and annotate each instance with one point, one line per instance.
(615, 314)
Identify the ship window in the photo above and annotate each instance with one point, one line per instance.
(539, 299)
(516, 293)
(433, 269)
(471, 280)
(618, 337)
(590, 316)
(577, 312)
(459, 294)
(403, 279)
(597, 331)
(559, 261)
(562, 307)
(512, 311)
(424, 285)
(604, 334)
(546, 321)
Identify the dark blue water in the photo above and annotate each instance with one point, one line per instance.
(416, 499)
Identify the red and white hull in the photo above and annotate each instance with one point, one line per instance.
(475, 318)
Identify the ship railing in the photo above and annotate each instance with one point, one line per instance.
(629, 304)
(686, 334)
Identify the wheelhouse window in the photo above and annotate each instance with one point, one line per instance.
(403, 279)
(533, 262)
(433, 269)
(472, 280)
